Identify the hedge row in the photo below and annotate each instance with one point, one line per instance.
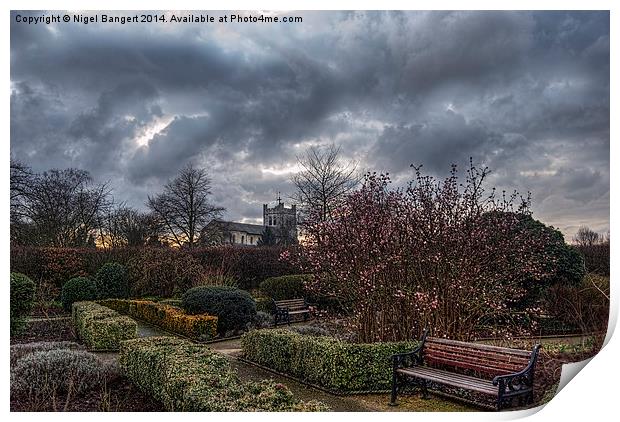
(153, 271)
(100, 327)
(325, 361)
(189, 377)
(197, 327)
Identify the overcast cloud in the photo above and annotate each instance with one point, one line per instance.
(526, 94)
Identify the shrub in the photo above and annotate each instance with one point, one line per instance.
(163, 272)
(310, 330)
(18, 351)
(196, 327)
(263, 320)
(22, 301)
(264, 304)
(448, 253)
(234, 308)
(285, 287)
(112, 281)
(47, 373)
(100, 327)
(585, 306)
(324, 361)
(76, 290)
(190, 377)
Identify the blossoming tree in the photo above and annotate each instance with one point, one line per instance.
(438, 254)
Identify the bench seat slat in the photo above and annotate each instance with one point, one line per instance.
(455, 380)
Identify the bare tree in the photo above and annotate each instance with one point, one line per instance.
(21, 179)
(126, 226)
(587, 237)
(324, 181)
(64, 207)
(183, 207)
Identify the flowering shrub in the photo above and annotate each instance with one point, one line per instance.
(445, 255)
(196, 327)
(100, 327)
(324, 361)
(190, 377)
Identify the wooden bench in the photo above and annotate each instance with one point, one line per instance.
(284, 309)
(503, 374)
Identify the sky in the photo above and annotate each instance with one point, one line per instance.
(524, 93)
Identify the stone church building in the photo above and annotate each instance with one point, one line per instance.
(282, 221)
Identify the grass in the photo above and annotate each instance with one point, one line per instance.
(412, 403)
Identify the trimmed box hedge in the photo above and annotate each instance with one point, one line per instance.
(100, 327)
(197, 327)
(324, 361)
(191, 377)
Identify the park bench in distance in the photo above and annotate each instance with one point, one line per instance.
(502, 373)
(284, 309)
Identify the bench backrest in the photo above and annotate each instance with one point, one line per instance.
(291, 304)
(482, 358)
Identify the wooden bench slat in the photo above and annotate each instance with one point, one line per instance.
(483, 347)
(458, 359)
(431, 348)
(450, 377)
(491, 370)
(466, 354)
(470, 383)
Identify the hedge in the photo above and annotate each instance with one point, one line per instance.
(190, 377)
(22, 294)
(100, 327)
(324, 361)
(197, 327)
(248, 266)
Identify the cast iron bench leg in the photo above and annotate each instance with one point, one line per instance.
(394, 389)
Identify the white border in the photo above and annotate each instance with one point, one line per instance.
(591, 395)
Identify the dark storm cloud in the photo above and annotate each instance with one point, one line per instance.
(525, 93)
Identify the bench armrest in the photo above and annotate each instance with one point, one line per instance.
(411, 358)
(521, 379)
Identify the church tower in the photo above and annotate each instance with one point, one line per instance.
(282, 220)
